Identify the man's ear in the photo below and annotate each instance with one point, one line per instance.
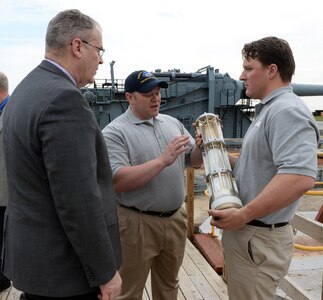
(273, 70)
(76, 46)
(130, 97)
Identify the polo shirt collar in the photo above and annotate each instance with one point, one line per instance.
(276, 93)
(272, 95)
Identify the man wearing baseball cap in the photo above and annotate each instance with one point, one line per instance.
(148, 153)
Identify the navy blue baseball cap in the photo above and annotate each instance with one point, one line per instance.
(143, 82)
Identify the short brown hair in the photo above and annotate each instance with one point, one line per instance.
(272, 50)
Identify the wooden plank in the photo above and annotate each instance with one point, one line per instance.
(190, 202)
(145, 295)
(147, 291)
(10, 294)
(187, 289)
(211, 248)
(310, 227)
(293, 290)
(4, 295)
(202, 268)
(180, 295)
(197, 279)
(148, 287)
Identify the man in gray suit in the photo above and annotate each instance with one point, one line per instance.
(4, 97)
(61, 231)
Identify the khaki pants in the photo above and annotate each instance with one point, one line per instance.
(256, 259)
(151, 243)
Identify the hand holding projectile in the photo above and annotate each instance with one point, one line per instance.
(230, 218)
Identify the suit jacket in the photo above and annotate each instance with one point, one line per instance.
(3, 175)
(61, 231)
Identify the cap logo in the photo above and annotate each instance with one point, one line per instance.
(143, 82)
(144, 76)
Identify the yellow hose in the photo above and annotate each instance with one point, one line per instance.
(314, 193)
(308, 248)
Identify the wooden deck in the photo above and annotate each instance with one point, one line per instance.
(198, 280)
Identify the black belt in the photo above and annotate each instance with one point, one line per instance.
(161, 214)
(261, 224)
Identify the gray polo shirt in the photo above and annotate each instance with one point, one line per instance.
(282, 139)
(131, 141)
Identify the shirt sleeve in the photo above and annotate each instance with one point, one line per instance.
(294, 138)
(118, 152)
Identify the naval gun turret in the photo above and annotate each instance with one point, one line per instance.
(188, 96)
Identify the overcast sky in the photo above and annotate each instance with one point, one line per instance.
(168, 34)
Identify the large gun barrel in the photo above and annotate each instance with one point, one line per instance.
(307, 89)
(299, 89)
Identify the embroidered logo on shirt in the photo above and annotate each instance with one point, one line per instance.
(258, 124)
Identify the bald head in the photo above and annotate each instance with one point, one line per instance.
(4, 86)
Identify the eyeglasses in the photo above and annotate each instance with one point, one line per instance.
(100, 50)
